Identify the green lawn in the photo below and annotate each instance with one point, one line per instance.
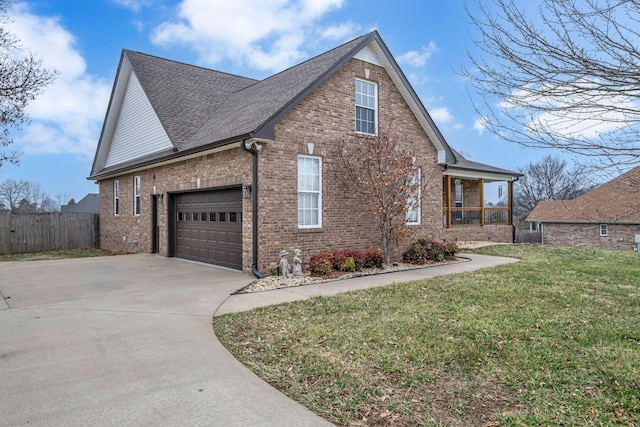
(551, 340)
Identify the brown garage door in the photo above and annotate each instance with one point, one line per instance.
(209, 227)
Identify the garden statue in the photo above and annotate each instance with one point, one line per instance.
(297, 263)
(284, 264)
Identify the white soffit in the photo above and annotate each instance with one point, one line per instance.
(134, 129)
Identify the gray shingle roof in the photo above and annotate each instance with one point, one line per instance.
(463, 163)
(253, 108)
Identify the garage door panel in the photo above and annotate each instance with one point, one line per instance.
(209, 227)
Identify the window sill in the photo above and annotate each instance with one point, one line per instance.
(310, 230)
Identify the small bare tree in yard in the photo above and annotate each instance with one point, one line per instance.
(22, 78)
(385, 179)
(560, 74)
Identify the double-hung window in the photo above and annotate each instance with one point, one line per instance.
(136, 195)
(459, 200)
(116, 197)
(309, 192)
(604, 230)
(413, 203)
(366, 107)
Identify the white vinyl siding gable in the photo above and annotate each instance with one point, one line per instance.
(138, 131)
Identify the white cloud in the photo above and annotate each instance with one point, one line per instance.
(134, 5)
(416, 58)
(267, 35)
(67, 117)
(341, 31)
(443, 118)
(479, 126)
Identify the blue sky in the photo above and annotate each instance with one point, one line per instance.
(83, 41)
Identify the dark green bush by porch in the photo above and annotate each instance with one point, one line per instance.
(423, 251)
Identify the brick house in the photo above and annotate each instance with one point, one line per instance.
(218, 168)
(607, 216)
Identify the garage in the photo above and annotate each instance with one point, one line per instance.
(209, 227)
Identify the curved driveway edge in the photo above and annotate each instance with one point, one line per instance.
(127, 341)
(244, 302)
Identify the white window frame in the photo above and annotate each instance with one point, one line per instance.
(361, 105)
(116, 197)
(305, 191)
(458, 202)
(414, 216)
(137, 190)
(604, 230)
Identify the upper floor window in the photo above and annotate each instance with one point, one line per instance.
(309, 192)
(136, 195)
(116, 197)
(366, 107)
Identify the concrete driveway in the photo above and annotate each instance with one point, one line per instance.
(126, 340)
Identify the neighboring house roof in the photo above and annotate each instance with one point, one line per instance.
(617, 201)
(88, 204)
(186, 109)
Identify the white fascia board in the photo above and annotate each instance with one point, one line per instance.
(461, 173)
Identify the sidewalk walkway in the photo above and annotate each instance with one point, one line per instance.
(244, 302)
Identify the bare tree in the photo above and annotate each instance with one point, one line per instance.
(25, 196)
(384, 178)
(22, 78)
(548, 179)
(560, 74)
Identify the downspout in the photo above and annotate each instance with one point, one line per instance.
(254, 203)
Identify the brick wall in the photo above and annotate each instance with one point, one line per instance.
(620, 236)
(492, 233)
(132, 234)
(325, 117)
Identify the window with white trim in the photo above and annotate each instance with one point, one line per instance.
(414, 203)
(366, 107)
(459, 199)
(309, 192)
(604, 230)
(116, 197)
(136, 195)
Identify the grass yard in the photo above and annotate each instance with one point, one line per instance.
(551, 340)
(60, 254)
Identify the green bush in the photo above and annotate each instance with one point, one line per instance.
(423, 251)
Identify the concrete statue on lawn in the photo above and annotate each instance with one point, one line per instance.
(284, 264)
(297, 263)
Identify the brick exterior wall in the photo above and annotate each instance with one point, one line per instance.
(132, 234)
(492, 233)
(324, 117)
(621, 236)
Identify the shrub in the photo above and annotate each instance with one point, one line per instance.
(374, 258)
(321, 264)
(422, 251)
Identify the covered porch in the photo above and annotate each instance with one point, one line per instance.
(477, 202)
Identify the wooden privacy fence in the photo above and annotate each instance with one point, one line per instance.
(33, 232)
(528, 237)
